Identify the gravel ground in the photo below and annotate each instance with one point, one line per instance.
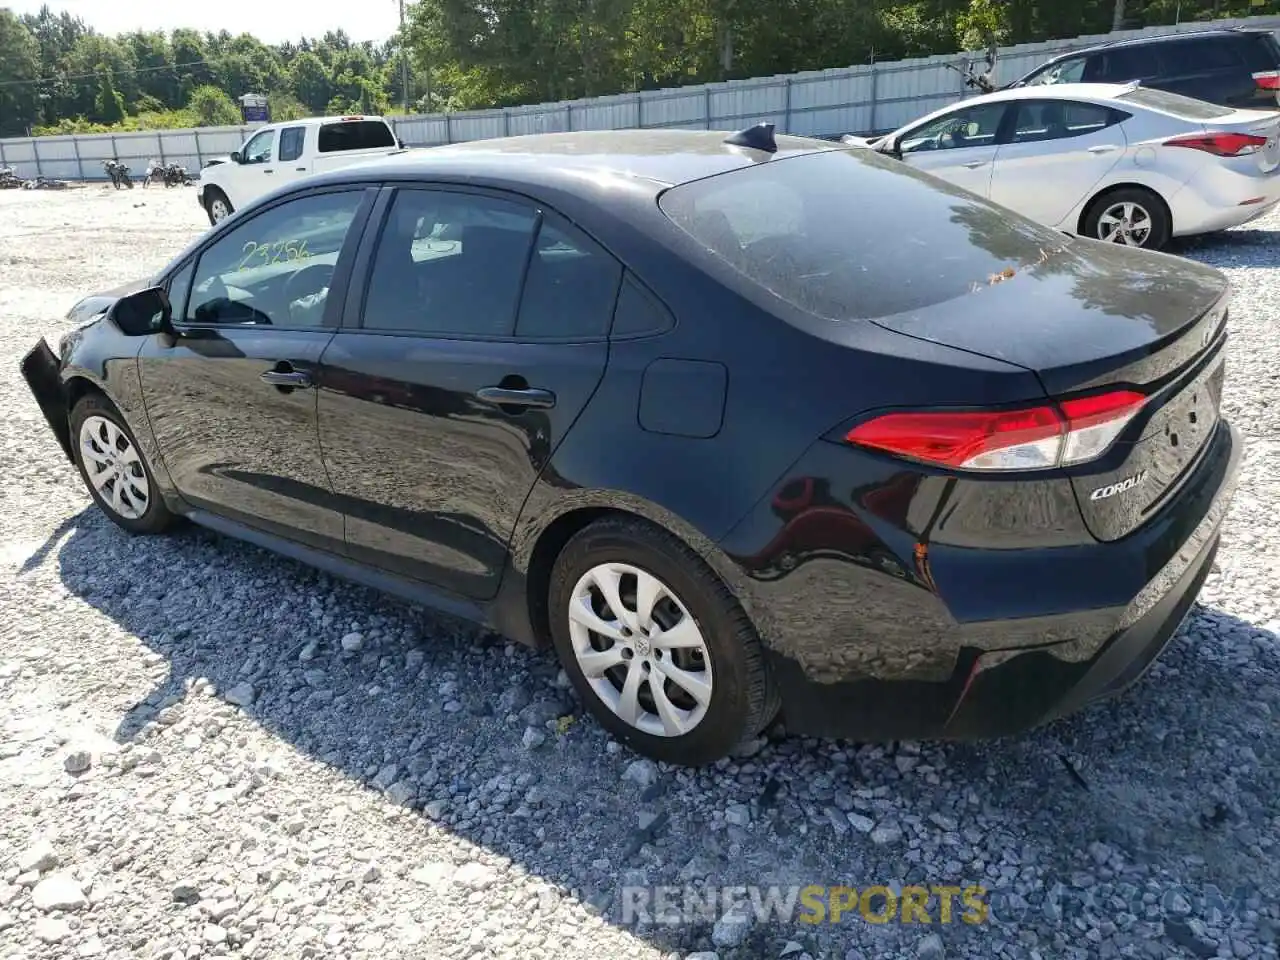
(209, 751)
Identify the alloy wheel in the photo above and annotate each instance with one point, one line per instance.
(640, 649)
(114, 467)
(1126, 223)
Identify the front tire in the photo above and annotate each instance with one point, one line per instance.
(114, 469)
(217, 206)
(656, 646)
(1131, 216)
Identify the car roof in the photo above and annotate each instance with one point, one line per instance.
(659, 158)
(1058, 91)
(1211, 33)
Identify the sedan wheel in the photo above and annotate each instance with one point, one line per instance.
(655, 645)
(640, 650)
(114, 469)
(1126, 223)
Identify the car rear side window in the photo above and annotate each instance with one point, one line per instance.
(354, 135)
(1175, 104)
(1065, 71)
(848, 234)
(1040, 120)
(449, 264)
(639, 313)
(1203, 54)
(1122, 65)
(291, 140)
(571, 287)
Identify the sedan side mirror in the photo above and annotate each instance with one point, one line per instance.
(143, 313)
(235, 157)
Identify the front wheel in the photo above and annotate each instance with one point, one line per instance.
(1131, 216)
(217, 206)
(657, 648)
(114, 469)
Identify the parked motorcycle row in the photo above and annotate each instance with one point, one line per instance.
(9, 180)
(170, 174)
(118, 172)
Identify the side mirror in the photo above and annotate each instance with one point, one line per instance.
(143, 313)
(401, 144)
(235, 157)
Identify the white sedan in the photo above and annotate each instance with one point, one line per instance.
(1122, 163)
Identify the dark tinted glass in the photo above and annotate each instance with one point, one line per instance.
(1122, 65)
(571, 287)
(638, 313)
(1175, 103)
(449, 265)
(291, 139)
(848, 234)
(1194, 56)
(1261, 52)
(179, 287)
(354, 135)
(1059, 119)
(276, 267)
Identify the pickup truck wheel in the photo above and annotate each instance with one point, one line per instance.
(217, 205)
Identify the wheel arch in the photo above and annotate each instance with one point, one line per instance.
(1089, 204)
(523, 613)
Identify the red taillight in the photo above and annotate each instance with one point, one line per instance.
(1027, 439)
(1267, 80)
(1221, 144)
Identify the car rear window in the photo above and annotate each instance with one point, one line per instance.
(355, 135)
(1174, 103)
(848, 234)
(1262, 52)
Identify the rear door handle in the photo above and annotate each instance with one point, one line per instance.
(285, 376)
(975, 164)
(511, 397)
(268, 171)
(1104, 148)
(300, 169)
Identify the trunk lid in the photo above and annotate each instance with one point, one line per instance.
(1092, 315)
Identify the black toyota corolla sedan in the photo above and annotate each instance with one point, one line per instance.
(737, 424)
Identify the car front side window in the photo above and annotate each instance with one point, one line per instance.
(258, 149)
(275, 268)
(969, 127)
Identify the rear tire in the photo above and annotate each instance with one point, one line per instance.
(217, 206)
(114, 468)
(1131, 216)
(714, 690)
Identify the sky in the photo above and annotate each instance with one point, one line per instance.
(271, 21)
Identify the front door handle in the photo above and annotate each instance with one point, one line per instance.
(285, 377)
(975, 164)
(513, 397)
(268, 171)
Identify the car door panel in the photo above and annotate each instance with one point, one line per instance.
(228, 397)
(1046, 171)
(959, 147)
(431, 477)
(436, 421)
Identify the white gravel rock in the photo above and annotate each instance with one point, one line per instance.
(52, 929)
(58, 891)
(40, 857)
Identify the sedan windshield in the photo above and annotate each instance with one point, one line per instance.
(848, 234)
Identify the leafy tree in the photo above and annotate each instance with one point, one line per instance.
(19, 68)
(213, 108)
(309, 81)
(108, 105)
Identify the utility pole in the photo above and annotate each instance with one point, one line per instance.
(404, 62)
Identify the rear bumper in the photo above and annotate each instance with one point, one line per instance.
(40, 370)
(1063, 659)
(1219, 198)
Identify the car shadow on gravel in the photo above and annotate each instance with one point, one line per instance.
(1170, 780)
(1225, 249)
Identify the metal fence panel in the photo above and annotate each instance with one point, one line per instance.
(860, 99)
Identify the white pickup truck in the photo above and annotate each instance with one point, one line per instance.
(280, 152)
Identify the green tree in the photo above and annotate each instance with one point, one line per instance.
(108, 105)
(19, 69)
(213, 108)
(309, 81)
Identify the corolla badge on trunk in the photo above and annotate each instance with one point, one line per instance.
(1111, 489)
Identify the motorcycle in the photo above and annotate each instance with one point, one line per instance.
(155, 171)
(118, 172)
(9, 180)
(175, 175)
